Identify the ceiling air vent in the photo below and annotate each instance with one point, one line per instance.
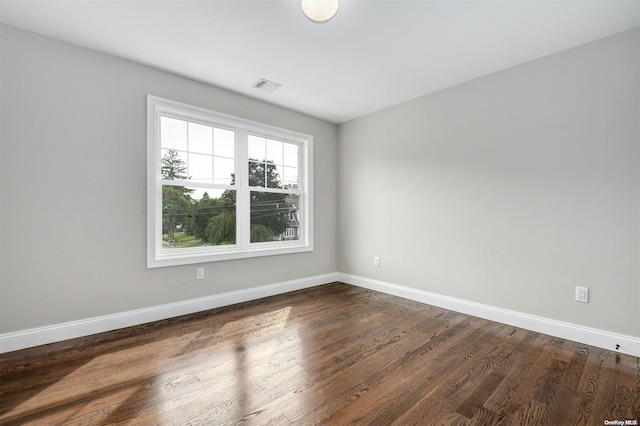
(266, 85)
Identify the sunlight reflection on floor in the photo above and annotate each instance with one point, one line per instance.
(175, 380)
(242, 367)
(109, 376)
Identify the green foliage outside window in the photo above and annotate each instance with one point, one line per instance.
(212, 221)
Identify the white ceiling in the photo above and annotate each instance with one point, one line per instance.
(371, 55)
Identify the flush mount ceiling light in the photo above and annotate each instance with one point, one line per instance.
(319, 10)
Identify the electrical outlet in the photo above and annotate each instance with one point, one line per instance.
(200, 273)
(582, 294)
(376, 261)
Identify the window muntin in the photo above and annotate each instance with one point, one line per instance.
(207, 206)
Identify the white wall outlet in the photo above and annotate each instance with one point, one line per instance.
(376, 261)
(200, 273)
(582, 294)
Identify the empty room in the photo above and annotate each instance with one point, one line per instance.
(332, 212)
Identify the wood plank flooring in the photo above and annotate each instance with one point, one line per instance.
(330, 355)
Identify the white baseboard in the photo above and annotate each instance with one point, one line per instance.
(590, 336)
(69, 330)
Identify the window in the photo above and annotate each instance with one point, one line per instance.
(222, 187)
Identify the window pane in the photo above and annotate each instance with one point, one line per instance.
(201, 168)
(173, 133)
(257, 148)
(256, 174)
(173, 164)
(274, 217)
(193, 217)
(224, 142)
(290, 178)
(290, 155)
(274, 151)
(200, 138)
(223, 169)
(273, 175)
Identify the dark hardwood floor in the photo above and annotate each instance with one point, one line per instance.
(330, 355)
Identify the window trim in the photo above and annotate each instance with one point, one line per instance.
(158, 257)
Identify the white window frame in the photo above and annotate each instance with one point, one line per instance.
(157, 256)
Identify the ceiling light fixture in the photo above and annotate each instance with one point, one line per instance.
(319, 10)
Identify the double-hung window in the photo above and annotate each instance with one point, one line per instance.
(223, 187)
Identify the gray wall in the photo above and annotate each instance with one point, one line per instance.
(509, 190)
(73, 187)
